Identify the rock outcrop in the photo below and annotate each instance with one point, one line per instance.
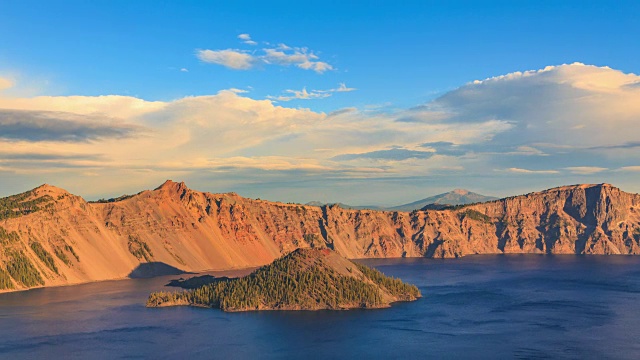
(58, 238)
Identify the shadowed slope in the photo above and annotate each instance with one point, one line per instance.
(61, 239)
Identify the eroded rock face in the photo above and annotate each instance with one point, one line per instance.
(193, 231)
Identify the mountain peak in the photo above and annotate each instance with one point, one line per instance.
(172, 185)
(461, 191)
(46, 189)
(455, 197)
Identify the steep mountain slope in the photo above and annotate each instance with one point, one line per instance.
(305, 279)
(50, 237)
(437, 202)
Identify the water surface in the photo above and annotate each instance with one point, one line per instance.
(517, 306)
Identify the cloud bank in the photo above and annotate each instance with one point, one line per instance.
(561, 124)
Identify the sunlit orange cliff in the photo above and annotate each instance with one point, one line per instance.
(51, 237)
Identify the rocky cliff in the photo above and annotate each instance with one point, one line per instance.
(51, 237)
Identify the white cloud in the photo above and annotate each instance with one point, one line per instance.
(5, 83)
(522, 123)
(184, 70)
(343, 88)
(246, 38)
(309, 95)
(585, 170)
(526, 171)
(300, 95)
(633, 168)
(282, 55)
(299, 57)
(560, 105)
(528, 150)
(237, 91)
(109, 106)
(231, 58)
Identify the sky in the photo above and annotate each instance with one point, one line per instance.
(360, 102)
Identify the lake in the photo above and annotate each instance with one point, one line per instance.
(516, 306)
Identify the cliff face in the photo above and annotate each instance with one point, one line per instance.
(68, 240)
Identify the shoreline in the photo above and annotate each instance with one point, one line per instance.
(207, 271)
(196, 273)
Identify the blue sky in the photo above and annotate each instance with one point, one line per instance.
(386, 87)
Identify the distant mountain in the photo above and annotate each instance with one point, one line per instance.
(50, 237)
(305, 279)
(345, 206)
(437, 202)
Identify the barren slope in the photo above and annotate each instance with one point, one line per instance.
(67, 240)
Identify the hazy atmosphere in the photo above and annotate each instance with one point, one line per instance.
(319, 180)
(376, 104)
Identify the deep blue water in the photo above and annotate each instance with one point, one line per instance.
(530, 307)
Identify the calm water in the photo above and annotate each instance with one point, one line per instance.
(475, 307)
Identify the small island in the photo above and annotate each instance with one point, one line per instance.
(306, 279)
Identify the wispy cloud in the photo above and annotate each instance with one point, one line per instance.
(246, 38)
(343, 88)
(237, 91)
(633, 168)
(300, 95)
(585, 170)
(309, 95)
(300, 57)
(626, 145)
(520, 123)
(397, 154)
(231, 58)
(282, 55)
(60, 126)
(527, 171)
(5, 83)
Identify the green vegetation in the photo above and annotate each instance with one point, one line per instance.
(5, 281)
(73, 252)
(394, 286)
(119, 198)
(453, 207)
(22, 270)
(139, 248)
(62, 256)
(314, 241)
(18, 205)
(291, 283)
(309, 238)
(7, 238)
(476, 215)
(44, 255)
